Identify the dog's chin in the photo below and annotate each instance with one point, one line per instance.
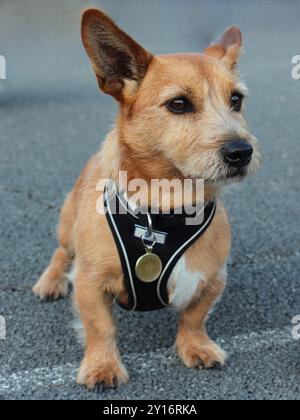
(231, 176)
(237, 174)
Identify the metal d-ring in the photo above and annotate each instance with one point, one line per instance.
(149, 232)
(149, 235)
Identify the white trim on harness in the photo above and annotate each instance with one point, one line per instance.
(123, 249)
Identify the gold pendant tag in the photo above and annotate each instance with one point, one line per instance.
(149, 267)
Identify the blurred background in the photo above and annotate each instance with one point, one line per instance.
(52, 118)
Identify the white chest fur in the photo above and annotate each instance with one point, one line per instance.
(183, 285)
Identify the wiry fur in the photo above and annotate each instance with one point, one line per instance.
(149, 142)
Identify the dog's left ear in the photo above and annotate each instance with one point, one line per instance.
(115, 56)
(229, 48)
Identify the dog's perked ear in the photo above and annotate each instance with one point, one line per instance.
(228, 48)
(115, 56)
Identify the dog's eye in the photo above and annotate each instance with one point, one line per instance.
(180, 106)
(236, 101)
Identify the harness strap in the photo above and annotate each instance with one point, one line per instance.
(179, 237)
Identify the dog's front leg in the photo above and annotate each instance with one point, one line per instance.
(101, 365)
(195, 348)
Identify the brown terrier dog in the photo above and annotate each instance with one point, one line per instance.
(180, 117)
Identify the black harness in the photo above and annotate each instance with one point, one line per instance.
(174, 238)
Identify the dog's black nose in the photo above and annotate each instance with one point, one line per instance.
(238, 153)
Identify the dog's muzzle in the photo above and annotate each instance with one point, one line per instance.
(237, 153)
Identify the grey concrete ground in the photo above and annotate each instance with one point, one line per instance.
(52, 119)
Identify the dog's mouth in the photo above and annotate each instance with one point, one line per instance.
(226, 175)
(238, 173)
(230, 175)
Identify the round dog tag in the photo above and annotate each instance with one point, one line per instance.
(148, 268)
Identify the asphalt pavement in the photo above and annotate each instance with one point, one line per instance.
(52, 118)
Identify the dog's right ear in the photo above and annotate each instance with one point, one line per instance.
(115, 56)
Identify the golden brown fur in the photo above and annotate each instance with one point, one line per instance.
(148, 142)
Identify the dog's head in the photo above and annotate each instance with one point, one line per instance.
(183, 110)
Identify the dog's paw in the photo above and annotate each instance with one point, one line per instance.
(209, 355)
(110, 375)
(49, 289)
